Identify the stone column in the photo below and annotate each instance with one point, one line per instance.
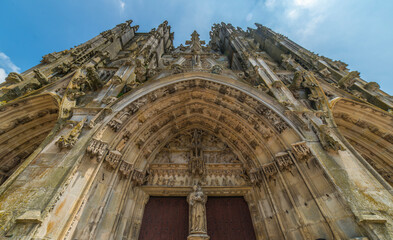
(197, 217)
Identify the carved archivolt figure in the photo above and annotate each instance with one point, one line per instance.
(197, 200)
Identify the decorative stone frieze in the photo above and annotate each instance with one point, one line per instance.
(113, 158)
(283, 160)
(301, 151)
(97, 148)
(115, 124)
(126, 168)
(270, 170)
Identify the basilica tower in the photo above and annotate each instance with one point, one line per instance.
(248, 136)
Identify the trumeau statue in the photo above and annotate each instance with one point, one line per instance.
(197, 200)
(250, 115)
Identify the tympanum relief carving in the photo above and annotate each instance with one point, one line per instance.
(194, 156)
(196, 143)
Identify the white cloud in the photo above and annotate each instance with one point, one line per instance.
(122, 4)
(270, 4)
(3, 75)
(304, 15)
(6, 66)
(292, 14)
(249, 17)
(306, 3)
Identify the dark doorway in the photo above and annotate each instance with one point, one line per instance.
(165, 218)
(228, 218)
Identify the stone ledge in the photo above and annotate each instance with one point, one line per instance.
(31, 216)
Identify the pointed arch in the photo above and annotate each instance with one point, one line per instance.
(278, 173)
(250, 120)
(369, 130)
(24, 125)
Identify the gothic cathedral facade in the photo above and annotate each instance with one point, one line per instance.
(249, 136)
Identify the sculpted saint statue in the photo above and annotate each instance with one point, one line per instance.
(197, 200)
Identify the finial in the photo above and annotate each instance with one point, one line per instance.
(195, 43)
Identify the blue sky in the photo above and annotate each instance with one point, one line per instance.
(358, 32)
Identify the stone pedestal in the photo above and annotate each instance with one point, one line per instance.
(198, 236)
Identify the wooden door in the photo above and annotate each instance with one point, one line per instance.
(228, 218)
(165, 218)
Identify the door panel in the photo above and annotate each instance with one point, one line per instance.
(228, 218)
(165, 218)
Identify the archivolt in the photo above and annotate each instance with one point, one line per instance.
(369, 130)
(24, 125)
(241, 116)
(282, 176)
